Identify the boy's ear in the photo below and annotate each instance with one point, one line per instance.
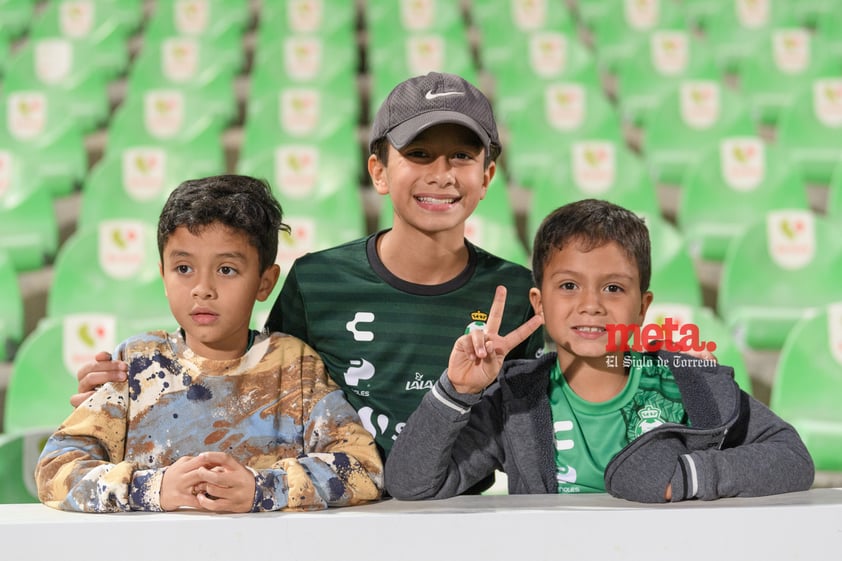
(645, 301)
(535, 300)
(489, 175)
(268, 280)
(377, 171)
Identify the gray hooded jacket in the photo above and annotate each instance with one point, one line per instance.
(734, 445)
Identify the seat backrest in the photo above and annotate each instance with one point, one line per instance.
(674, 277)
(19, 453)
(782, 267)
(808, 383)
(11, 308)
(743, 177)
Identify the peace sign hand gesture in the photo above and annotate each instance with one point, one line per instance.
(477, 356)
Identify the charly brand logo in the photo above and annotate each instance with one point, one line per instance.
(671, 335)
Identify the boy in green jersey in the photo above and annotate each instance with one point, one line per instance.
(383, 311)
(648, 426)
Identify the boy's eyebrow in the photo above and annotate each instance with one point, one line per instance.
(237, 255)
(571, 272)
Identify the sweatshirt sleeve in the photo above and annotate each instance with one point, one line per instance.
(75, 470)
(447, 445)
(341, 465)
(761, 455)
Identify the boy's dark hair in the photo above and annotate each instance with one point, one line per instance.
(593, 223)
(240, 202)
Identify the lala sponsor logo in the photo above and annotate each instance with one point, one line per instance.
(305, 16)
(642, 15)
(144, 172)
(669, 335)
(791, 50)
(425, 53)
(76, 19)
(565, 105)
(296, 170)
(163, 112)
(528, 15)
(594, 166)
(417, 15)
(26, 113)
(300, 240)
(53, 60)
(827, 101)
(742, 162)
(303, 57)
(180, 58)
(700, 103)
(791, 238)
(122, 248)
(548, 53)
(419, 383)
(299, 110)
(753, 14)
(191, 17)
(670, 51)
(84, 335)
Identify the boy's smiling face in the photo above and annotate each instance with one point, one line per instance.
(437, 180)
(581, 293)
(212, 281)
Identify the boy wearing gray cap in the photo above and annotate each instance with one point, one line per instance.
(383, 311)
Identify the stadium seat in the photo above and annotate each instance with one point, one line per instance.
(674, 276)
(538, 139)
(621, 31)
(4, 53)
(325, 18)
(689, 122)
(105, 25)
(15, 17)
(808, 383)
(741, 178)
(710, 329)
(833, 206)
(810, 129)
(35, 124)
(62, 66)
(733, 28)
(782, 268)
(19, 453)
(11, 309)
(492, 225)
(133, 183)
(657, 68)
(829, 28)
(594, 168)
(388, 22)
(778, 66)
(29, 232)
(810, 13)
(111, 269)
(44, 371)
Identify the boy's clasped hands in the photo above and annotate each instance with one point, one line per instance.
(211, 481)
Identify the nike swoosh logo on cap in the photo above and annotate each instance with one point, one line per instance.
(431, 95)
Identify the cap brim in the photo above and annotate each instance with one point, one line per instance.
(404, 133)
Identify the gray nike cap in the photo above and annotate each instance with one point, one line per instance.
(436, 98)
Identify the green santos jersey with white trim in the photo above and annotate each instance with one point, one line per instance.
(386, 341)
(588, 435)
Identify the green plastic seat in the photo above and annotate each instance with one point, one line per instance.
(810, 13)
(59, 65)
(4, 53)
(192, 64)
(689, 122)
(34, 123)
(829, 29)
(44, 370)
(811, 127)
(15, 17)
(11, 308)
(734, 28)
(132, 183)
(620, 30)
(657, 68)
(19, 453)
(710, 329)
(777, 68)
(808, 383)
(674, 277)
(741, 180)
(112, 269)
(173, 119)
(105, 25)
(594, 168)
(492, 226)
(327, 18)
(389, 21)
(833, 207)
(570, 112)
(782, 268)
(29, 233)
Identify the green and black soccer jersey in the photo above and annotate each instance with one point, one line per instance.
(386, 341)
